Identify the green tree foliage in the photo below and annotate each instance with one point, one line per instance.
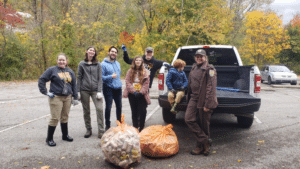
(13, 60)
(291, 57)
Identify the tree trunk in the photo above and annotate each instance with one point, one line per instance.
(42, 36)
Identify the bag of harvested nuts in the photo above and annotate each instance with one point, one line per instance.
(159, 141)
(121, 145)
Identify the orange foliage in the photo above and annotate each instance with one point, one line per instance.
(125, 38)
(295, 21)
(9, 16)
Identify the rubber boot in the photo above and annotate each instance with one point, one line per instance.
(88, 133)
(64, 130)
(173, 108)
(49, 139)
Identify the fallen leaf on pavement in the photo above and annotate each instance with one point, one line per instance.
(97, 158)
(263, 141)
(191, 166)
(79, 162)
(63, 158)
(239, 161)
(45, 167)
(40, 162)
(214, 152)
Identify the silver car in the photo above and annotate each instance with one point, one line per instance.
(278, 74)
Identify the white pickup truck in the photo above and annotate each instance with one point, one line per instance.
(238, 86)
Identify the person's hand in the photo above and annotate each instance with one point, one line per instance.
(99, 95)
(173, 90)
(167, 65)
(205, 109)
(114, 75)
(182, 88)
(124, 48)
(51, 95)
(75, 102)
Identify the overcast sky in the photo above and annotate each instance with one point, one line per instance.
(286, 8)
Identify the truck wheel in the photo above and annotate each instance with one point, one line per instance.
(244, 122)
(262, 81)
(269, 80)
(168, 116)
(293, 83)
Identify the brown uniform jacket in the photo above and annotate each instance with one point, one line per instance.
(202, 86)
(145, 86)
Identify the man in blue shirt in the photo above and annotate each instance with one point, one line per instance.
(112, 85)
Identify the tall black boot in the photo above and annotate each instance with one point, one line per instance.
(64, 130)
(49, 139)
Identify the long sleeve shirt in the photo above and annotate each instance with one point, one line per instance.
(58, 77)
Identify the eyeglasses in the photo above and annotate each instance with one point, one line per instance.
(149, 51)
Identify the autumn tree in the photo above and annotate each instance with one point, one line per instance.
(265, 37)
(291, 57)
(170, 24)
(240, 8)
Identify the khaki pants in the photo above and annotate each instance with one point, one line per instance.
(177, 99)
(85, 100)
(60, 108)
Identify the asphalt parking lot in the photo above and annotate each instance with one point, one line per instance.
(271, 142)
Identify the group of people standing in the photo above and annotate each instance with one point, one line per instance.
(97, 80)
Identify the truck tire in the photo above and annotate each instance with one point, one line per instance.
(269, 80)
(168, 116)
(294, 83)
(262, 81)
(244, 122)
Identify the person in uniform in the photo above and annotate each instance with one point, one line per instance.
(202, 99)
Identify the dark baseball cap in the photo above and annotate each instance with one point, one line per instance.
(149, 49)
(200, 52)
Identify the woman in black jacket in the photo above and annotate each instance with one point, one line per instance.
(89, 81)
(62, 88)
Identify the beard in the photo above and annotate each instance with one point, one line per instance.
(112, 59)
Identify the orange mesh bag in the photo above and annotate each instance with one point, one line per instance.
(121, 145)
(159, 141)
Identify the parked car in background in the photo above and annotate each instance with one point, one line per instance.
(278, 74)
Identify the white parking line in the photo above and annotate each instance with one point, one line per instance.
(257, 120)
(152, 112)
(24, 123)
(7, 101)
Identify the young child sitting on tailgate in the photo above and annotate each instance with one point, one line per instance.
(177, 83)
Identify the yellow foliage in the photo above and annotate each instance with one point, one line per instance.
(265, 37)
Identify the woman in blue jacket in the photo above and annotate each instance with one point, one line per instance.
(177, 83)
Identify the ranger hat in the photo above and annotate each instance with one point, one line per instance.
(200, 52)
(149, 49)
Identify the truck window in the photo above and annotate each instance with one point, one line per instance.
(216, 56)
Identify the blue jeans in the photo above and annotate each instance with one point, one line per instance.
(111, 94)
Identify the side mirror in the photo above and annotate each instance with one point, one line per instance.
(292, 71)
